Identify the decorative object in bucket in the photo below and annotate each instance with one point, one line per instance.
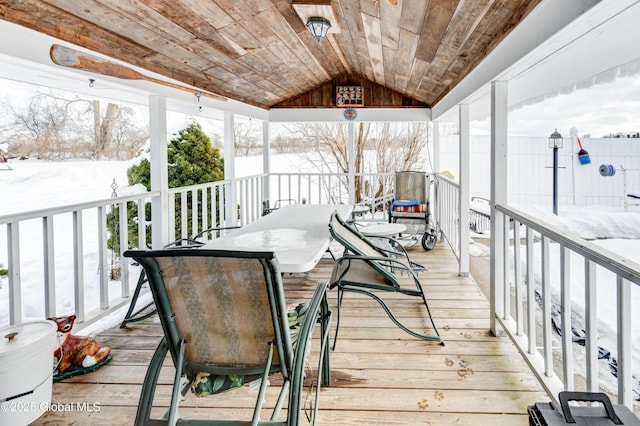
(76, 355)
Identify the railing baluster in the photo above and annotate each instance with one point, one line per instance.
(78, 266)
(546, 309)
(195, 207)
(124, 245)
(591, 319)
(517, 278)
(565, 306)
(625, 383)
(142, 221)
(506, 268)
(102, 255)
(205, 209)
(15, 284)
(531, 297)
(172, 218)
(183, 214)
(49, 267)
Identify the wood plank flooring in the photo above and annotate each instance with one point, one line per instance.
(380, 375)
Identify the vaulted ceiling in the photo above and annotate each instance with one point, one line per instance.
(259, 51)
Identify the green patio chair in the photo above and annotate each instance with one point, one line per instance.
(226, 324)
(368, 269)
(136, 315)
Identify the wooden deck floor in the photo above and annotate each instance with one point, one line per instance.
(380, 375)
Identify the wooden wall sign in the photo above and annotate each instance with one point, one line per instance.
(349, 96)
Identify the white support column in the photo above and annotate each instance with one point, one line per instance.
(159, 170)
(266, 159)
(464, 194)
(231, 215)
(499, 113)
(435, 160)
(434, 206)
(351, 159)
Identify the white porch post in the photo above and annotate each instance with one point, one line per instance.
(266, 156)
(499, 112)
(435, 161)
(351, 158)
(463, 201)
(436, 147)
(159, 170)
(231, 216)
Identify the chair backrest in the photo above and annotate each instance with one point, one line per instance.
(228, 305)
(411, 185)
(354, 241)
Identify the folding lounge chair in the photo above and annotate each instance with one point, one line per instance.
(226, 324)
(145, 312)
(365, 268)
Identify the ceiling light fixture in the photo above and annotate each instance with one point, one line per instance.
(318, 27)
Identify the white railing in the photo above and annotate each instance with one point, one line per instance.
(537, 279)
(332, 188)
(447, 215)
(207, 205)
(72, 241)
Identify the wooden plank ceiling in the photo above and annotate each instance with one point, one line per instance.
(259, 51)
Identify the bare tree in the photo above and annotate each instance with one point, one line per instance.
(378, 148)
(103, 126)
(55, 127)
(38, 127)
(246, 140)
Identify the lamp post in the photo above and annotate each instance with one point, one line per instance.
(555, 142)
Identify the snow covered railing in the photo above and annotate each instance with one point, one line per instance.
(479, 214)
(533, 280)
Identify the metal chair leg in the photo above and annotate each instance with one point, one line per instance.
(135, 316)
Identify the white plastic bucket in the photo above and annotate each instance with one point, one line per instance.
(26, 371)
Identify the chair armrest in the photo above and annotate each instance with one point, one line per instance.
(193, 241)
(400, 250)
(393, 243)
(387, 262)
(184, 243)
(317, 311)
(214, 229)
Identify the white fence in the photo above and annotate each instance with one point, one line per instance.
(530, 171)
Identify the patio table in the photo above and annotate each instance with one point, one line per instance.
(382, 229)
(297, 233)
